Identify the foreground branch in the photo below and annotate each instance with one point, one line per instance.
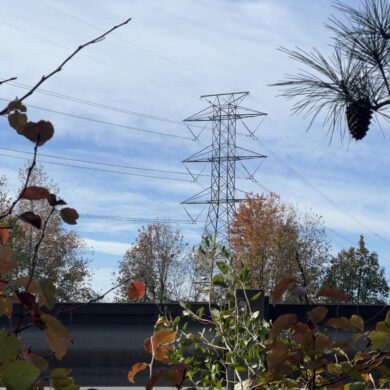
(6, 80)
(59, 68)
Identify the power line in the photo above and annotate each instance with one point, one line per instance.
(316, 189)
(100, 169)
(104, 122)
(98, 163)
(95, 104)
(146, 50)
(98, 60)
(135, 219)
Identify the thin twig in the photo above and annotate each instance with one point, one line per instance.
(36, 248)
(59, 68)
(29, 172)
(6, 81)
(98, 298)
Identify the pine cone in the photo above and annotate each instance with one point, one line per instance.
(359, 116)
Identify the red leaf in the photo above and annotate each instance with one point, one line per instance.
(333, 293)
(31, 218)
(4, 235)
(27, 299)
(284, 321)
(317, 314)
(35, 193)
(137, 367)
(7, 263)
(69, 215)
(136, 290)
(280, 289)
(53, 201)
(39, 132)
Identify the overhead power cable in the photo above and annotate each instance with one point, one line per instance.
(128, 42)
(316, 189)
(100, 169)
(98, 60)
(135, 219)
(104, 122)
(107, 164)
(95, 104)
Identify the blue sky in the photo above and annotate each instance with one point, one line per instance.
(171, 53)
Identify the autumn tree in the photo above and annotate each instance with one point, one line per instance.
(156, 258)
(357, 272)
(269, 236)
(61, 255)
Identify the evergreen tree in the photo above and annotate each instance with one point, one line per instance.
(357, 272)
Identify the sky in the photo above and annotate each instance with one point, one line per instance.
(152, 73)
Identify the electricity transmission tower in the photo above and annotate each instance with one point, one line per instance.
(225, 113)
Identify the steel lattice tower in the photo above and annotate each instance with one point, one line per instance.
(224, 112)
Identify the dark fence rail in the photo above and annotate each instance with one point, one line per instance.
(108, 337)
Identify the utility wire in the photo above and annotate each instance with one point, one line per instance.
(128, 42)
(316, 189)
(95, 104)
(98, 60)
(98, 162)
(100, 169)
(104, 122)
(135, 219)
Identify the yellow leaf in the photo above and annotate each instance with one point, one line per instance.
(137, 367)
(7, 263)
(58, 336)
(317, 314)
(163, 336)
(357, 322)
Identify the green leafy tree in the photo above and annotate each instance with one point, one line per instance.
(357, 272)
(353, 83)
(156, 258)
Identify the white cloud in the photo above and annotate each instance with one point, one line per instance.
(107, 247)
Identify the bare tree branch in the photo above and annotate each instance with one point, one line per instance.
(29, 172)
(6, 80)
(59, 68)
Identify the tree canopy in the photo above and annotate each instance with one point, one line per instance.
(268, 235)
(61, 253)
(155, 259)
(357, 272)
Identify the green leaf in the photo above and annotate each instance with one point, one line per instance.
(9, 346)
(244, 275)
(222, 266)
(61, 380)
(19, 375)
(225, 253)
(218, 280)
(387, 319)
(256, 296)
(357, 322)
(47, 292)
(355, 386)
(379, 340)
(6, 306)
